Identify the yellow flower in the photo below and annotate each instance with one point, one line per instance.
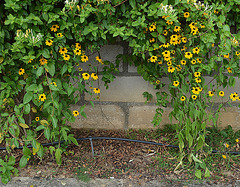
(60, 35)
(54, 83)
(194, 97)
(165, 32)
(75, 113)
(63, 50)
(166, 45)
(77, 51)
(221, 93)
(197, 74)
(49, 42)
(36, 118)
(195, 90)
(184, 40)
(80, 69)
(78, 45)
(169, 22)
(30, 60)
(226, 56)
(54, 28)
(152, 40)
(199, 60)
(43, 61)
(179, 68)
(227, 145)
(188, 55)
(157, 81)
(183, 98)
(234, 96)
(85, 76)
(66, 57)
(94, 76)
(153, 59)
(166, 53)
(224, 156)
(175, 83)
(183, 62)
(171, 69)
(152, 27)
(42, 97)
(21, 71)
(202, 26)
(237, 140)
(198, 80)
(237, 53)
(186, 14)
(193, 61)
(177, 28)
(194, 30)
(212, 44)
(196, 50)
(210, 93)
(84, 58)
(96, 90)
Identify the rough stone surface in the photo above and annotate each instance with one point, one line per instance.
(142, 116)
(230, 116)
(100, 117)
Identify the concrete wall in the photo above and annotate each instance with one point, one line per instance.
(122, 106)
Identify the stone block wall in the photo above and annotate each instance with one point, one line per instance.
(122, 105)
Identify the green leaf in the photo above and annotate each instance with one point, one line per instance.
(27, 109)
(26, 151)
(54, 122)
(27, 97)
(23, 161)
(161, 38)
(39, 71)
(63, 69)
(11, 160)
(47, 133)
(132, 3)
(207, 173)
(51, 69)
(46, 53)
(58, 156)
(198, 173)
(32, 87)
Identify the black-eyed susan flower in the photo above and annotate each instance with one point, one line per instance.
(229, 70)
(94, 76)
(42, 97)
(171, 69)
(169, 63)
(193, 61)
(186, 14)
(196, 50)
(30, 60)
(175, 83)
(84, 58)
(178, 67)
(43, 61)
(157, 81)
(169, 22)
(166, 53)
(63, 50)
(96, 90)
(221, 93)
(237, 140)
(59, 35)
(195, 90)
(75, 113)
(54, 83)
(152, 27)
(234, 96)
(237, 53)
(85, 76)
(188, 55)
(66, 57)
(77, 51)
(226, 56)
(166, 45)
(36, 118)
(183, 98)
(54, 28)
(177, 28)
(165, 32)
(199, 60)
(78, 45)
(194, 97)
(210, 93)
(49, 42)
(21, 71)
(80, 69)
(151, 40)
(197, 74)
(184, 39)
(198, 80)
(183, 62)
(153, 59)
